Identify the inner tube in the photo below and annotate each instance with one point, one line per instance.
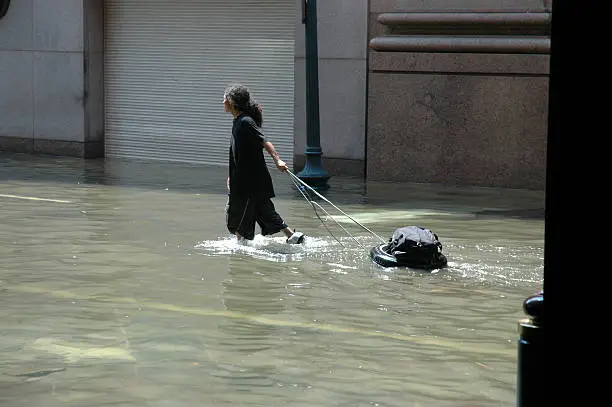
(382, 258)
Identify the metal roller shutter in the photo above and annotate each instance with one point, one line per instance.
(167, 63)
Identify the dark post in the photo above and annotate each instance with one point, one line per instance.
(531, 361)
(530, 381)
(313, 173)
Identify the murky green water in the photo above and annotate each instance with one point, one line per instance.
(120, 286)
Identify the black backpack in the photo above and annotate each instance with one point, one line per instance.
(417, 247)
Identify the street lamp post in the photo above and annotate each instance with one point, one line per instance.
(313, 173)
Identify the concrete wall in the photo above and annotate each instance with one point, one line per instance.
(452, 117)
(44, 80)
(342, 48)
(473, 118)
(51, 60)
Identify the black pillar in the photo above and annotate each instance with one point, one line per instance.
(531, 362)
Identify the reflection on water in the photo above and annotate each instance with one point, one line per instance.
(120, 286)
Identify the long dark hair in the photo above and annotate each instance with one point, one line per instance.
(240, 97)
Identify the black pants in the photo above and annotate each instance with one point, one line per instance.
(243, 212)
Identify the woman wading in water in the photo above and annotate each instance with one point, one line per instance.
(249, 182)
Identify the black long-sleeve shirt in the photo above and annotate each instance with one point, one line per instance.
(249, 175)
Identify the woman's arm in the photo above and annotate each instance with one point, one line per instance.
(280, 164)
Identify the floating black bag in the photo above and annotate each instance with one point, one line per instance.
(417, 247)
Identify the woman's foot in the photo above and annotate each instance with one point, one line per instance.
(296, 238)
(240, 239)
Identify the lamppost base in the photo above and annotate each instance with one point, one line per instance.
(312, 174)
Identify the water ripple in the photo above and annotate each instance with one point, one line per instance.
(120, 286)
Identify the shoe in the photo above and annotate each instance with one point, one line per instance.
(296, 238)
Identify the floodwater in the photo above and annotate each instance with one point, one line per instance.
(120, 286)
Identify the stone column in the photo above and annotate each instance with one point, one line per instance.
(93, 53)
(50, 77)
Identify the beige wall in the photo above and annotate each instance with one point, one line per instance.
(47, 97)
(461, 118)
(342, 48)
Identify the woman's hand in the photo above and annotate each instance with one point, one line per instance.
(281, 165)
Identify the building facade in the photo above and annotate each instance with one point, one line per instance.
(458, 92)
(401, 98)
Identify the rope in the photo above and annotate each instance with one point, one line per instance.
(295, 178)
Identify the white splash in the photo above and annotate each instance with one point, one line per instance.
(262, 247)
(340, 256)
